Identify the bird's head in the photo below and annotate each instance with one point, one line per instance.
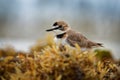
(59, 27)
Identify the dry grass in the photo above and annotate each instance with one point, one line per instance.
(46, 61)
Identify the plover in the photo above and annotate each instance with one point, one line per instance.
(68, 36)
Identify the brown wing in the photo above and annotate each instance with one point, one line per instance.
(81, 40)
(76, 38)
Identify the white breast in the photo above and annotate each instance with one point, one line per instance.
(60, 41)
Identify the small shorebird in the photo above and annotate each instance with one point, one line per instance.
(71, 37)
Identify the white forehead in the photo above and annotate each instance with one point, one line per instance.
(57, 31)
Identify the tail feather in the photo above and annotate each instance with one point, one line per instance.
(100, 44)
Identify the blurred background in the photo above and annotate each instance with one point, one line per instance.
(22, 22)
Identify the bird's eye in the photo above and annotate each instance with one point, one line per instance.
(61, 28)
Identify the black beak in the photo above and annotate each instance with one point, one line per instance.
(53, 29)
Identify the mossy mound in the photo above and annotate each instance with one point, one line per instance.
(46, 61)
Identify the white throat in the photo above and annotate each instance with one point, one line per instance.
(60, 40)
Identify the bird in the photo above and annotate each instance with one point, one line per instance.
(70, 37)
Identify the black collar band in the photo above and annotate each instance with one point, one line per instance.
(60, 35)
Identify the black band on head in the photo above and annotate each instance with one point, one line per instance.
(55, 24)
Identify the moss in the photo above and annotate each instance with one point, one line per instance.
(46, 61)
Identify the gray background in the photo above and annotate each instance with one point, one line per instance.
(24, 21)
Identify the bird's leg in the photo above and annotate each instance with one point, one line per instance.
(62, 47)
